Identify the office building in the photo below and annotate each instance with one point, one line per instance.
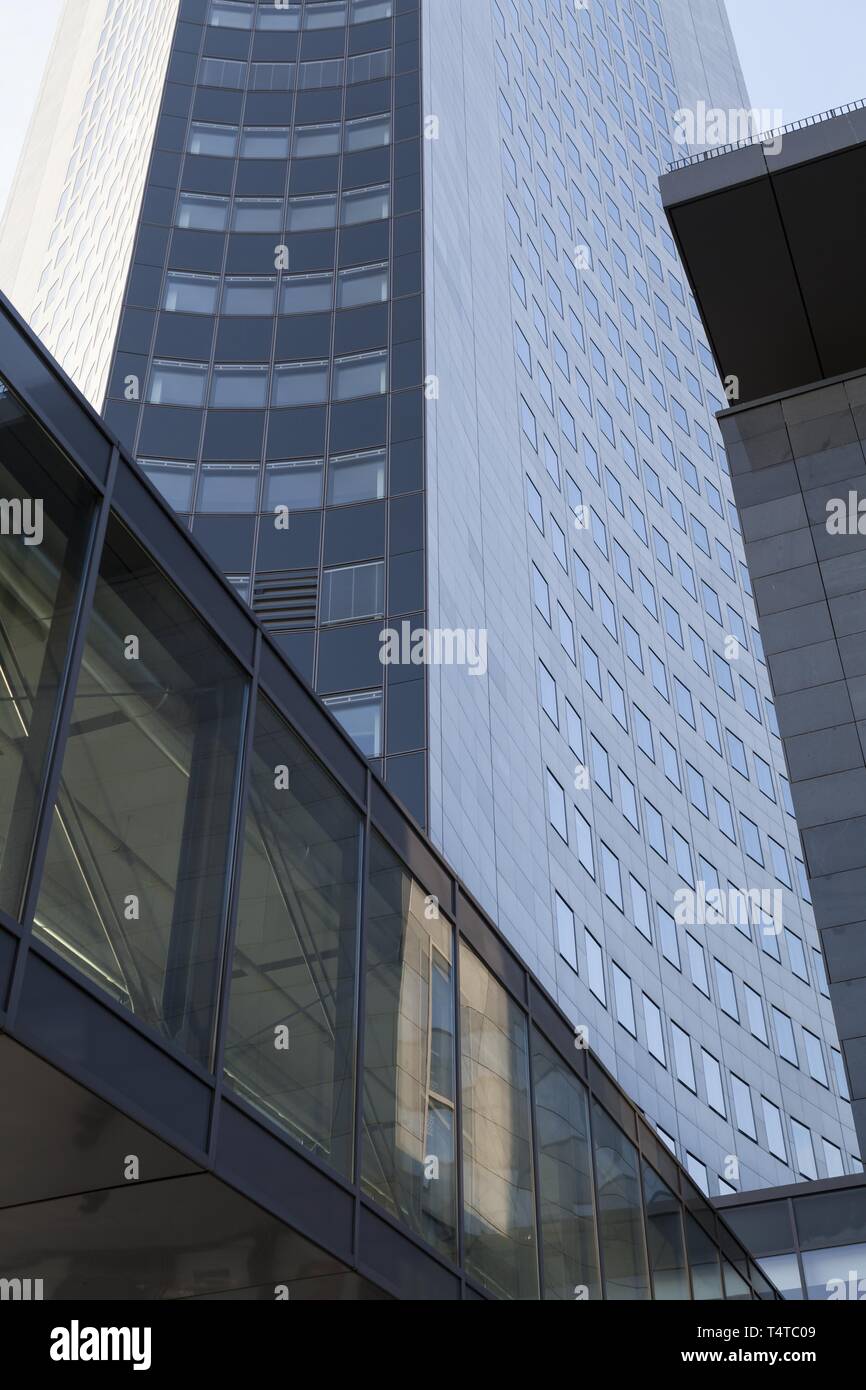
(786, 319)
(407, 345)
(256, 1039)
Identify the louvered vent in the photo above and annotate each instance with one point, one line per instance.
(286, 598)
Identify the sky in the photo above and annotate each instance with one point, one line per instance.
(799, 58)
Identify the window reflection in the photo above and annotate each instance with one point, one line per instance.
(173, 480)
(201, 213)
(568, 1235)
(409, 1056)
(297, 486)
(498, 1194)
(356, 478)
(133, 890)
(623, 1255)
(664, 1224)
(217, 140)
(257, 215)
(361, 717)
(291, 1030)
(703, 1261)
(312, 214)
(47, 515)
(306, 294)
(353, 591)
(366, 286)
(365, 205)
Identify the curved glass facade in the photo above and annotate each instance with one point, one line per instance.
(268, 371)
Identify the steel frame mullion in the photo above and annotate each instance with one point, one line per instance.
(234, 869)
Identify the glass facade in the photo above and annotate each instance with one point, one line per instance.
(236, 902)
(268, 366)
(810, 1241)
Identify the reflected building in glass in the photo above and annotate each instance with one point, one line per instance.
(406, 345)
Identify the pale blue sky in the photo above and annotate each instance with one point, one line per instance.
(798, 56)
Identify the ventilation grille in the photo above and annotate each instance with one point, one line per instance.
(286, 598)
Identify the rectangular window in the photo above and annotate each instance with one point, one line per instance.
(175, 715)
(654, 1032)
(556, 806)
(683, 1064)
(595, 967)
(773, 1126)
(498, 1180)
(713, 1083)
(356, 478)
(743, 1107)
(355, 377)
(623, 1000)
(410, 1057)
(565, 931)
(353, 591)
(727, 990)
(784, 1036)
(190, 294)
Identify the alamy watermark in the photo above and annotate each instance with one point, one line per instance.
(22, 517)
(733, 907)
(713, 125)
(423, 646)
(847, 516)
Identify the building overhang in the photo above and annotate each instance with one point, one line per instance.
(772, 243)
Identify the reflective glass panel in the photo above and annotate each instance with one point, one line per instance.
(356, 478)
(294, 485)
(257, 215)
(253, 297)
(361, 717)
(173, 480)
(703, 1260)
(366, 286)
(619, 1210)
(291, 1030)
(361, 376)
(312, 214)
(239, 388)
(228, 487)
(265, 143)
(190, 294)
(177, 383)
(369, 134)
(306, 294)
(498, 1196)
(305, 384)
(46, 517)
(202, 214)
(410, 1089)
(219, 140)
(312, 141)
(365, 205)
(134, 887)
(664, 1226)
(568, 1236)
(353, 591)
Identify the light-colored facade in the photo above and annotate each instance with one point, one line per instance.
(586, 379)
(69, 224)
(570, 372)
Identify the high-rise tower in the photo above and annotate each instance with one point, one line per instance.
(404, 336)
